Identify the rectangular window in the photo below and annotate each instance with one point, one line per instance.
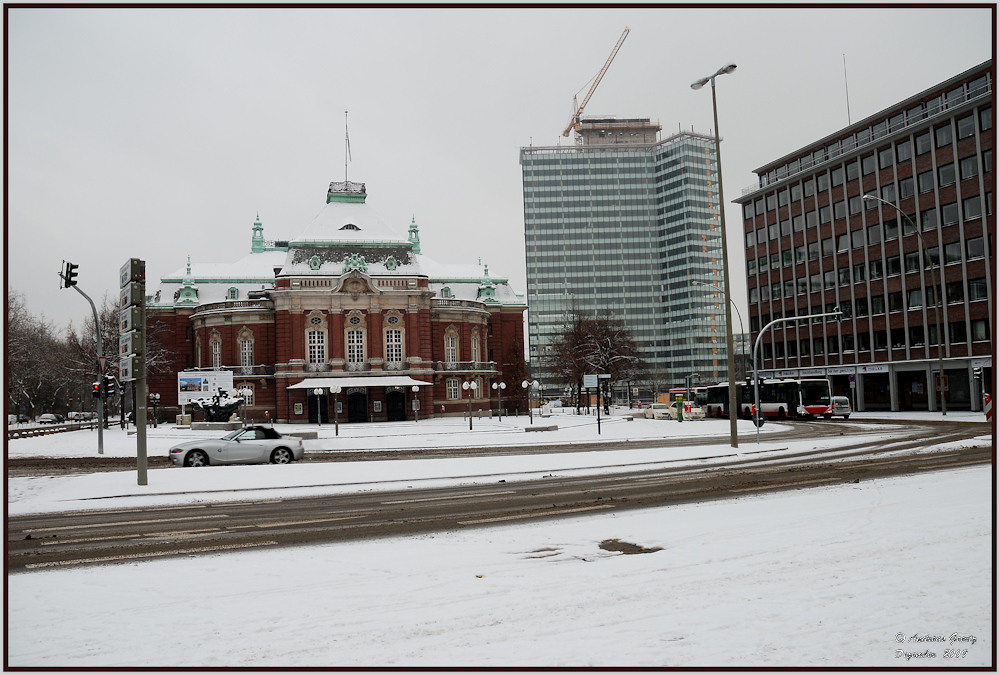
(839, 210)
(837, 176)
(974, 248)
(864, 342)
(844, 276)
(925, 182)
(789, 289)
(814, 283)
(986, 119)
(914, 299)
(751, 266)
(832, 346)
(911, 261)
(906, 188)
(786, 227)
(966, 126)
(875, 267)
(814, 250)
(949, 213)
(896, 302)
(859, 272)
(762, 236)
(880, 340)
(891, 229)
(772, 202)
(955, 291)
(871, 203)
(751, 240)
(824, 214)
(980, 330)
(798, 223)
(317, 346)
(874, 234)
(923, 142)
(809, 187)
(754, 296)
(822, 182)
(861, 306)
(828, 246)
(804, 347)
(857, 238)
(801, 286)
(928, 219)
(903, 151)
(972, 208)
(786, 257)
(953, 252)
(843, 243)
(394, 345)
(889, 192)
(775, 261)
(942, 136)
(946, 174)
(977, 289)
(891, 266)
(916, 336)
(956, 332)
(453, 389)
(800, 254)
(451, 348)
(748, 212)
(216, 355)
(355, 346)
(885, 158)
(812, 220)
(854, 205)
(829, 279)
(852, 171)
(818, 346)
(878, 305)
(758, 207)
(868, 165)
(969, 167)
(246, 353)
(796, 192)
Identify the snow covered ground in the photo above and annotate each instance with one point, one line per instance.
(828, 576)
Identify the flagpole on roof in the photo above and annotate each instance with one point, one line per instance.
(347, 146)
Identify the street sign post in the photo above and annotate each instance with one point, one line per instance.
(131, 348)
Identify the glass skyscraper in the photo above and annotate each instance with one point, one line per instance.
(624, 224)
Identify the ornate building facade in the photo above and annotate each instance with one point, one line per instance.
(348, 304)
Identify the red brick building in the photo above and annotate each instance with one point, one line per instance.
(889, 220)
(349, 303)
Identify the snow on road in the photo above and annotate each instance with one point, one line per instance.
(849, 575)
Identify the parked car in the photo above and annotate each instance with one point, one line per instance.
(695, 413)
(841, 406)
(650, 413)
(250, 445)
(48, 418)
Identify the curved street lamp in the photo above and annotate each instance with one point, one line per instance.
(533, 389)
(730, 365)
(938, 327)
(738, 315)
(416, 403)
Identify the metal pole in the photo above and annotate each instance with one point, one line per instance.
(100, 375)
(730, 352)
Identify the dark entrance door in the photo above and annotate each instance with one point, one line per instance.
(324, 408)
(395, 406)
(357, 406)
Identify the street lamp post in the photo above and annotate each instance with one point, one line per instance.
(319, 411)
(730, 364)
(471, 388)
(939, 292)
(416, 403)
(499, 389)
(530, 388)
(336, 422)
(738, 315)
(154, 400)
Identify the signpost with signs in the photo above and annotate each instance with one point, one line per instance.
(131, 348)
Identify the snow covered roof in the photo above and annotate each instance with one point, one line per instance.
(347, 222)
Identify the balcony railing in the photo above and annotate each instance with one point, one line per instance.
(395, 365)
(317, 367)
(357, 367)
(240, 370)
(466, 366)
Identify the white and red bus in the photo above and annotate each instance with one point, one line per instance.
(779, 399)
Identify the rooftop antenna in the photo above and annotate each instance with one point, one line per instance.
(347, 146)
(846, 91)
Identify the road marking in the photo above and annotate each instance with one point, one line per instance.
(124, 522)
(432, 499)
(538, 514)
(162, 508)
(303, 522)
(151, 554)
(781, 485)
(947, 465)
(129, 536)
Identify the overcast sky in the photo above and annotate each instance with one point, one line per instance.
(158, 133)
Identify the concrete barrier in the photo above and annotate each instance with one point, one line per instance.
(216, 426)
(541, 427)
(305, 435)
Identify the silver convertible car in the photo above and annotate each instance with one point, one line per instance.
(251, 445)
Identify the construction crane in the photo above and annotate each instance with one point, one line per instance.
(574, 122)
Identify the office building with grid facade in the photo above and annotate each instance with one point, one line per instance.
(622, 223)
(890, 220)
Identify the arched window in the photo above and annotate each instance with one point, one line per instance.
(245, 344)
(315, 340)
(354, 339)
(451, 344)
(445, 292)
(474, 344)
(197, 350)
(393, 328)
(215, 345)
(233, 293)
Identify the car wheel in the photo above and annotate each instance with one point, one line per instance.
(828, 416)
(846, 416)
(781, 413)
(281, 456)
(196, 458)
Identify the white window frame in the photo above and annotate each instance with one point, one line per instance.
(316, 340)
(394, 345)
(451, 348)
(453, 389)
(355, 346)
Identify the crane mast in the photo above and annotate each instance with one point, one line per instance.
(574, 122)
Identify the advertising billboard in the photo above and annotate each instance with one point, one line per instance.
(202, 384)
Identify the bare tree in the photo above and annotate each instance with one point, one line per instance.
(37, 376)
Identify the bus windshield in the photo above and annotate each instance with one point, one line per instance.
(815, 393)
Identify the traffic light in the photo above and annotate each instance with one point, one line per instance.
(69, 274)
(109, 386)
(97, 390)
(977, 373)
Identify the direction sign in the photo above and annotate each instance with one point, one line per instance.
(590, 381)
(132, 271)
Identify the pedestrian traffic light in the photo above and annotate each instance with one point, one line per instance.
(109, 386)
(97, 390)
(69, 274)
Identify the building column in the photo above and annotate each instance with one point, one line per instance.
(893, 389)
(932, 396)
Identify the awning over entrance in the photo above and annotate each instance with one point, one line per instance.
(345, 382)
